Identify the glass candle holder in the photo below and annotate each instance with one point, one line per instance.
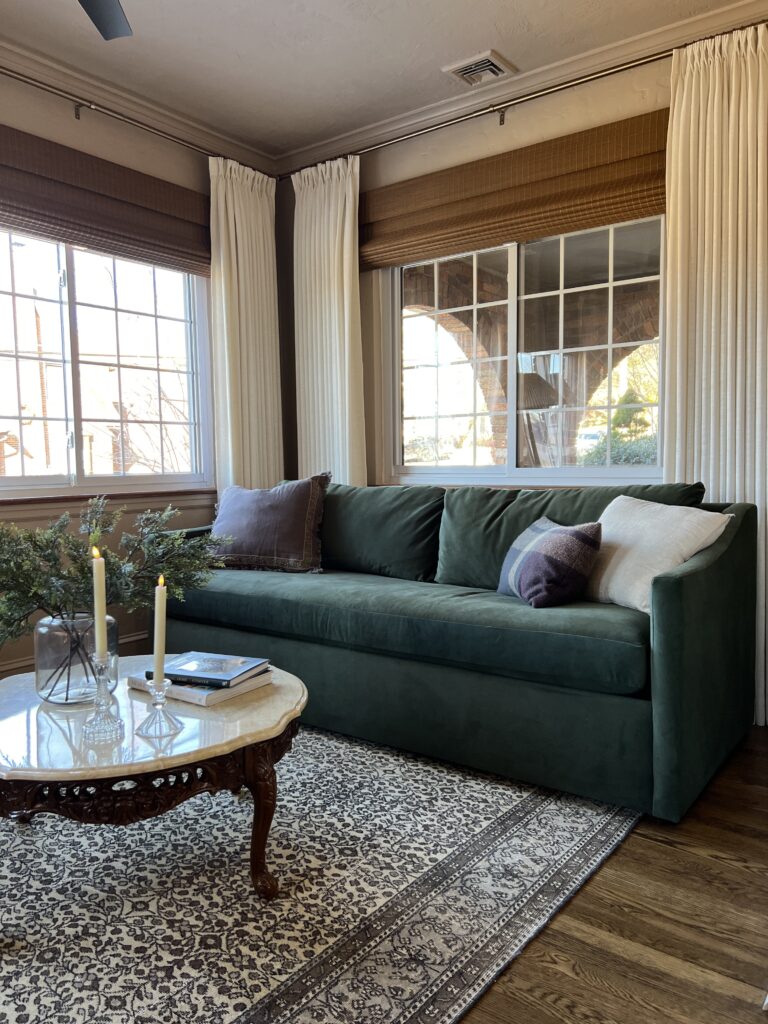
(160, 723)
(65, 649)
(104, 727)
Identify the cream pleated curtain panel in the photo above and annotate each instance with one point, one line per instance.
(245, 339)
(716, 377)
(329, 358)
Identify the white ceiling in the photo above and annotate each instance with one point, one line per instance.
(284, 75)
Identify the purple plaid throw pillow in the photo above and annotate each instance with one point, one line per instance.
(550, 564)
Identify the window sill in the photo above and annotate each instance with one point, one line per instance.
(527, 478)
(72, 495)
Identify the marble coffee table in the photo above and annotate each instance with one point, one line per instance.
(45, 766)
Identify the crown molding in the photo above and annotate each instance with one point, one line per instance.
(659, 40)
(88, 88)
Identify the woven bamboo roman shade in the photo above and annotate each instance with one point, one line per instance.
(604, 175)
(63, 194)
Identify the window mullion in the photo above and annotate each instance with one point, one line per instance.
(475, 365)
(561, 356)
(119, 367)
(436, 361)
(513, 313)
(159, 378)
(193, 374)
(397, 449)
(198, 383)
(16, 354)
(608, 453)
(74, 363)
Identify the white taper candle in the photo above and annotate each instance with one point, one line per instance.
(158, 671)
(99, 604)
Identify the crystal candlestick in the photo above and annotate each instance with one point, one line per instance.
(160, 722)
(103, 726)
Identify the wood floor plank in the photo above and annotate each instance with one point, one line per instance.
(673, 928)
(685, 971)
(712, 920)
(721, 846)
(639, 993)
(739, 791)
(682, 868)
(561, 1002)
(503, 1004)
(676, 938)
(736, 820)
(577, 998)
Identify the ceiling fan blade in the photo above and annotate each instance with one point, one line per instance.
(108, 17)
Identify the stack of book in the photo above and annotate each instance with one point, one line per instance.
(207, 679)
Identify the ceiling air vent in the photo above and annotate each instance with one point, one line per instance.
(481, 69)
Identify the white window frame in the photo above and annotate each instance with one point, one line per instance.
(78, 484)
(577, 476)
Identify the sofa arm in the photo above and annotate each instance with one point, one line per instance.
(193, 531)
(197, 531)
(703, 616)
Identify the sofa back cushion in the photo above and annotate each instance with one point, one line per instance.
(387, 531)
(479, 524)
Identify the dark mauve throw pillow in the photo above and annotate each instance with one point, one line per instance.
(549, 564)
(277, 528)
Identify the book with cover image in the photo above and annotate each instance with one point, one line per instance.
(212, 670)
(206, 696)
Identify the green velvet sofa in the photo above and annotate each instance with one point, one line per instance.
(402, 640)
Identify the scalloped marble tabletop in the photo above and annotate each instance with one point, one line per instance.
(44, 741)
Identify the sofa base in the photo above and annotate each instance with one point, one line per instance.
(594, 745)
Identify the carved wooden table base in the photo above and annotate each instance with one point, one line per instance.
(122, 800)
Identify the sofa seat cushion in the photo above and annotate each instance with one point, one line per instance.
(600, 648)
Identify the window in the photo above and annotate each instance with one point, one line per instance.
(101, 370)
(534, 359)
(455, 361)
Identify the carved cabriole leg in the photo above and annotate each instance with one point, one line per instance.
(21, 817)
(261, 780)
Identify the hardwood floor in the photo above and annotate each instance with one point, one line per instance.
(674, 926)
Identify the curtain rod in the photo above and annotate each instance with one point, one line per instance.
(82, 104)
(496, 108)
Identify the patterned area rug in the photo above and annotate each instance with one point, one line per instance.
(407, 886)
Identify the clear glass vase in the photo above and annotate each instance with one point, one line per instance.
(65, 672)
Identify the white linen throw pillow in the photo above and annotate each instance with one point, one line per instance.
(642, 539)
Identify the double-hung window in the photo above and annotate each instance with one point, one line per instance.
(103, 381)
(536, 362)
